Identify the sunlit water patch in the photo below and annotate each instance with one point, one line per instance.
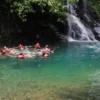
(95, 85)
(68, 74)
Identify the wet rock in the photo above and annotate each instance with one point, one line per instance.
(97, 30)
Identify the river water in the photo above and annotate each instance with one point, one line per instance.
(71, 73)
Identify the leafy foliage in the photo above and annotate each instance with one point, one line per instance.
(73, 1)
(32, 6)
(95, 4)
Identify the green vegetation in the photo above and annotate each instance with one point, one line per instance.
(73, 1)
(35, 17)
(23, 8)
(95, 4)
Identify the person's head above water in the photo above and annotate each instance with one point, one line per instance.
(37, 45)
(21, 54)
(20, 45)
(5, 47)
(47, 46)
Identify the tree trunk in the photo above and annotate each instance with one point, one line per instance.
(83, 6)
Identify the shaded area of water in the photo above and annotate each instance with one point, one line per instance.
(72, 73)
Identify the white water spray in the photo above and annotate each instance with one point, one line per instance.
(77, 31)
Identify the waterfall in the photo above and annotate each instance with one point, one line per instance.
(77, 31)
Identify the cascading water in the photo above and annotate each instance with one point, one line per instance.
(77, 30)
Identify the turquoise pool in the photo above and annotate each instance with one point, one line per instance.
(71, 73)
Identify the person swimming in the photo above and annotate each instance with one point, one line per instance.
(21, 46)
(21, 56)
(6, 49)
(14, 52)
(46, 49)
(1, 52)
(37, 46)
(45, 55)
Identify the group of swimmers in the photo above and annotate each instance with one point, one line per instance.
(38, 51)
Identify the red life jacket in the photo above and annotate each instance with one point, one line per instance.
(7, 49)
(45, 55)
(1, 53)
(21, 56)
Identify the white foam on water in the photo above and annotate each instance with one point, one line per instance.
(30, 53)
